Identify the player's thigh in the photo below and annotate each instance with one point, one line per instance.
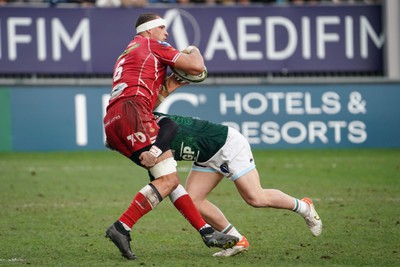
(249, 185)
(129, 127)
(199, 184)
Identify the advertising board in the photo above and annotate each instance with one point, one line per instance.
(269, 116)
(253, 39)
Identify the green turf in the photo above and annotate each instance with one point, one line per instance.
(55, 207)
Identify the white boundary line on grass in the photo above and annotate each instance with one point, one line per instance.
(12, 260)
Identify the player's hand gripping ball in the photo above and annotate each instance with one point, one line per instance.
(185, 77)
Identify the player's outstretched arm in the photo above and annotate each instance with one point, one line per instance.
(167, 132)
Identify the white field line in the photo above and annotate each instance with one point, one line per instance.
(12, 260)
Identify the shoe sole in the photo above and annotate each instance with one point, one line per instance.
(227, 244)
(237, 252)
(315, 215)
(317, 218)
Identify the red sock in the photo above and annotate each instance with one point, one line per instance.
(184, 203)
(139, 207)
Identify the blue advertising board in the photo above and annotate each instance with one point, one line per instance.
(282, 116)
(269, 116)
(253, 39)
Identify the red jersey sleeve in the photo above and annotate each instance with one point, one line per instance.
(164, 52)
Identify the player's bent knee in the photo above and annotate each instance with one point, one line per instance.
(254, 202)
(171, 181)
(197, 198)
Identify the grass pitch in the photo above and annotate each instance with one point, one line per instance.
(55, 207)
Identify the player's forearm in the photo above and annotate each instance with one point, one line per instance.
(196, 59)
(167, 133)
(191, 61)
(170, 85)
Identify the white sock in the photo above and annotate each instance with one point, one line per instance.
(301, 207)
(231, 230)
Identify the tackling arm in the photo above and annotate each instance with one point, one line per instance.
(169, 86)
(167, 133)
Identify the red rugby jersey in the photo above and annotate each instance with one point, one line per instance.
(141, 69)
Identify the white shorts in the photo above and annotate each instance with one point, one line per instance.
(233, 160)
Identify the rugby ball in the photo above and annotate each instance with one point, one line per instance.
(180, 74)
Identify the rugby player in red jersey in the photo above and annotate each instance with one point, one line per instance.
(131, 129)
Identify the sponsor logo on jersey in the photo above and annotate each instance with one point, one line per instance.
(163, 43)
(129, 49)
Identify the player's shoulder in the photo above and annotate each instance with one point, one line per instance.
(159, 43)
